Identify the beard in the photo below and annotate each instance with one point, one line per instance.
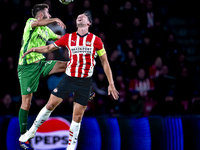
(45, 16)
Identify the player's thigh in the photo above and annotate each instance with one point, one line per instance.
(29, 76)
(60, 66)
(64, 87)
(27, 97)
(82, 95)
(46, 67)
(29, 85)
(53, 102)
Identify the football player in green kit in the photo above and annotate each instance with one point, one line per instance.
(32, 67)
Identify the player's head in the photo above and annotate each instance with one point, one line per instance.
(84, 20)
(41, 10)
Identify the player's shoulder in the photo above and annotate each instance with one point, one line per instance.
(28, 24)
(66, 35)
(94, 35)
(97, 38)
(69, 33)
(30, 20)
(64, 38)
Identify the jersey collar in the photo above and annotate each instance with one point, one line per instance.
(82, 35)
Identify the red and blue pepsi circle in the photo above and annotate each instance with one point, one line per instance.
(53, 134)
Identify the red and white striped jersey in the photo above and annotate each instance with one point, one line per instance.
(82, 53)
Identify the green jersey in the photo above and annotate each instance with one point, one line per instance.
(34, 37)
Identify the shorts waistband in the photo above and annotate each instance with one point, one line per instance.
(78, 79)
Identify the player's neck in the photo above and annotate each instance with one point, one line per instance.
(82, 31)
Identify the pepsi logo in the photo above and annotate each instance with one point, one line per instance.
(53, 134)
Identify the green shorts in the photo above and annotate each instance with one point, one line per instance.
(29, 75)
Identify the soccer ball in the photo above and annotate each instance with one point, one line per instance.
(66, 2)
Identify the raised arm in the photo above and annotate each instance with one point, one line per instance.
(42, 49)
(108, 72)
(44, 22)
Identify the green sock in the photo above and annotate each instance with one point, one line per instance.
(23, 117)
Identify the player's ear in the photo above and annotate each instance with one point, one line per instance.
(89, 24)
(41, 15)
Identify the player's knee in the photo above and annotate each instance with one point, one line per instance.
(51, 106)
(53, 102)
(64, 65)
(26, 105)
(77, 117)
(26, 102)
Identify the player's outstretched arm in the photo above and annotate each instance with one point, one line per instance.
(45, 22)
(42, 49)
(58, 37)
(111, 88)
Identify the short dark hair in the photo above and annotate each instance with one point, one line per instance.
(38, 7)
(89, 17)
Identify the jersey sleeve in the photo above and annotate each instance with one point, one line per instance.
(99, 47)
(62, 42)
(52, 35)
